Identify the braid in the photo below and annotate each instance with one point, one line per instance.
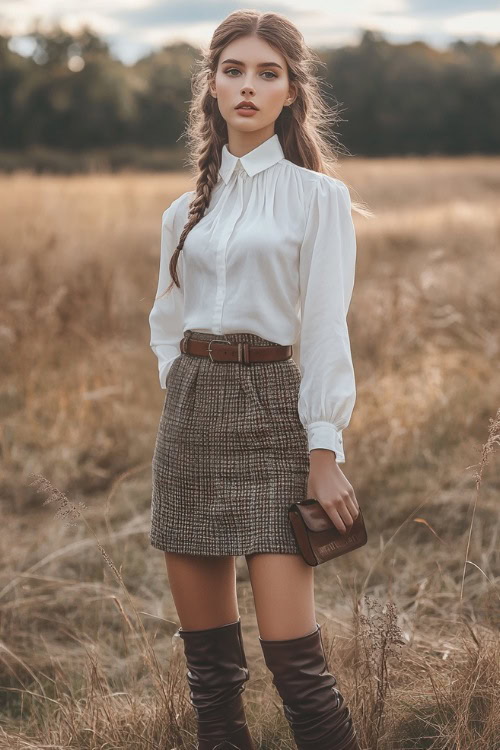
(208, 174)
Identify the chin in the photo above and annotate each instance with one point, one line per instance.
(249, 123)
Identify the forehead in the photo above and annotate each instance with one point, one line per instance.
(252, 50)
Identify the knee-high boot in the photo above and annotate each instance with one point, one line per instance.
(217, 672)
(314, 707)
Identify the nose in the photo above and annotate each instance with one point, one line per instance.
(247, 90)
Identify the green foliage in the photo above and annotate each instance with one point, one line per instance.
(73, 94)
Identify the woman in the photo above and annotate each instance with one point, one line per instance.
(260, 256)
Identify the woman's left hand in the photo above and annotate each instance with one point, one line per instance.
(330, 487)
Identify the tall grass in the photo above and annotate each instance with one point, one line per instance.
(88, 652)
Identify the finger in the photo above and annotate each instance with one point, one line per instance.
(353, 508)
(352, 496)
(336, 519)
(355, 501)
(345, 515)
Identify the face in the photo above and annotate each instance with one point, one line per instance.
(242, 75)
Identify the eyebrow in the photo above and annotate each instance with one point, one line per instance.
(260, 65)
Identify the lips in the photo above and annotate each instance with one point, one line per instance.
(246, 105)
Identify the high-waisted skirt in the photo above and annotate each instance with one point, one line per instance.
(231, 455)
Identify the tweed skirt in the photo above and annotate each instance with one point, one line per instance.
(230, 456)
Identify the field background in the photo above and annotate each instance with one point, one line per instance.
(87, 657)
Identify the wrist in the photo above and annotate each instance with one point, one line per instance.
(322, 454)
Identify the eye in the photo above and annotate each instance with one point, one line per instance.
(273, 75)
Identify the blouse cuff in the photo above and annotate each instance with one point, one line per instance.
(164, 368)
(324, 435)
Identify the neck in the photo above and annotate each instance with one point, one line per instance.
(240, 143)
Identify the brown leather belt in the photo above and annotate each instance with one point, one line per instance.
(221, 350)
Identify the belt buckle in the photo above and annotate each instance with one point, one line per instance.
(220, 341)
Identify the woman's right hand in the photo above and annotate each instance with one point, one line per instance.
(330, 487)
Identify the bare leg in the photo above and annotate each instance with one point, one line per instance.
(203, 589)
(283, 590)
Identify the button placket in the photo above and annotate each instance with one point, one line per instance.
(221, 256)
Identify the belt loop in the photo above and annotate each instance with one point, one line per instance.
(246, 358)
(187, 335)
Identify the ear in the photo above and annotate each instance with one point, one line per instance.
(212, 89)
(292, 94)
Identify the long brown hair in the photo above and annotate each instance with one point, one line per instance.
(303, 128)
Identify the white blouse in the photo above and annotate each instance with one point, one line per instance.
(274, 255)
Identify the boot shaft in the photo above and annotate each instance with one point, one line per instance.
(313, 705)
(217, 673)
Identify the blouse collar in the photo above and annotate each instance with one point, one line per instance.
(265, 155)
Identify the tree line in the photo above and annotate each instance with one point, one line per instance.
(72, 94)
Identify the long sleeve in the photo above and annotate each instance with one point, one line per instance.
(326, 271)
(166, 318)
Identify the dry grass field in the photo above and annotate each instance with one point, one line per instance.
(411, 621)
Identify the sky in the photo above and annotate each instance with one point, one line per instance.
(135, 27)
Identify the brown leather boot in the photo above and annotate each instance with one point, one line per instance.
(313, 706)
(217, 672)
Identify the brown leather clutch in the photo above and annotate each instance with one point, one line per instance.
(318, 538)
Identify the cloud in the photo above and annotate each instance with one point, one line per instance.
(132, 27)
(450, 7)
(485, 25)
(160, 13)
